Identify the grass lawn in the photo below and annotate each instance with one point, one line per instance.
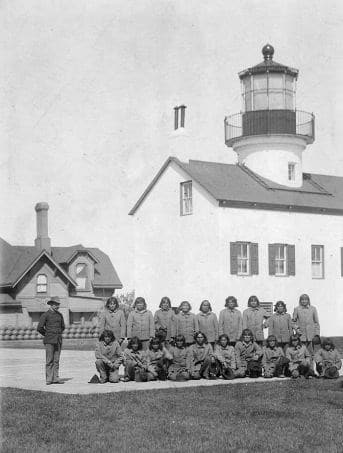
(287, 416)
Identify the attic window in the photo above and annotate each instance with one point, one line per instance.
(42, 283)
(179, 116)
(186, 198)
(81, 271)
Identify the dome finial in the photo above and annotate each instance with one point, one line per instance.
(268, 52)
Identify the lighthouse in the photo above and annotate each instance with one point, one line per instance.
(270, 134)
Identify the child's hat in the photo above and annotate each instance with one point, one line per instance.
(94, 379)
(331, 372)
(54, 300)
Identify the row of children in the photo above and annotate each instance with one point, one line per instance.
(185, 345)
(142, 324)
(178, 362)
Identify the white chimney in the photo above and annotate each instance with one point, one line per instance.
(42, 242)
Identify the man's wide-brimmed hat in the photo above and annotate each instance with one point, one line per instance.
(55, 300)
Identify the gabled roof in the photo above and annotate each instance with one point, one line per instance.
(237, 186)
(17, 260)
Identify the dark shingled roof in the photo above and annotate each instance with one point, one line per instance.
(236, 185)
(15, 260)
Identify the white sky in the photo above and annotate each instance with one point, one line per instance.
(87, 90)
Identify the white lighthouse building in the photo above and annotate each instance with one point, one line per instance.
(206, 230)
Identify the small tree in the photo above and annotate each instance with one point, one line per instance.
(126, 302)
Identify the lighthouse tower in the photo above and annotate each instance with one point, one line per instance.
(270, 134)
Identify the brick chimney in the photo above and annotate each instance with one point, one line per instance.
(42, 241)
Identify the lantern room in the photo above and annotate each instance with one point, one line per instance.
(268, 85)
(270, 133)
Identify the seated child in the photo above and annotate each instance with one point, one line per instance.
(109, 357)
(248, 356)
(328, 361)
(178, 370)
(274, 362)
(299, 358)
(199, 358)
(157, 360)
(225, 357)
(135, 361)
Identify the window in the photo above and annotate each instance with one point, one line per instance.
(317, 259)
(186, 199)
(281, 259)
(42, 283)
(291, 171)
(179, 116)
(81, 276)
(243, 258)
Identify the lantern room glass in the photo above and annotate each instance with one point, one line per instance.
(268, 91)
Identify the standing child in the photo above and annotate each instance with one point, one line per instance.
(164, 318)
(157, 360)
(328, 361)
(109, 357)
(112, 318)
(280, 325)
(254, 319)
(135, 361)
(248, 356)
(274, 362)
(208, 322)
(51, 326)
(299, 359)
(200, 357)
(230, 320)
(306, 321)
(186, 323)
(178, 370)
(225, 357)
(140, 323)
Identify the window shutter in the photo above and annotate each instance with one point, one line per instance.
(291, 259)
(342, 261)
(254, 259)
(271, 258)
(233, 258)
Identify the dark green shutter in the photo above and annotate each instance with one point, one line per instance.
(254, 259)
(233, 258)
(291, 259)
(271, 258)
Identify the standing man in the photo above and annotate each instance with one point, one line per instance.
(51, 326)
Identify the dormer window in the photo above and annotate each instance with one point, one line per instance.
(81, 270)
(291, 171)
(42, 284)
(186, 198)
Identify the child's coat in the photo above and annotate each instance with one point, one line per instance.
(231, 323)
(114, 321)
(298, 355)
(165, 319)
(140, 324)
(253, 319)
(328, 358)
(280, 325)
(109, 352)
(306, 319)
(186, 324)
(208, 324)
(225, 355)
